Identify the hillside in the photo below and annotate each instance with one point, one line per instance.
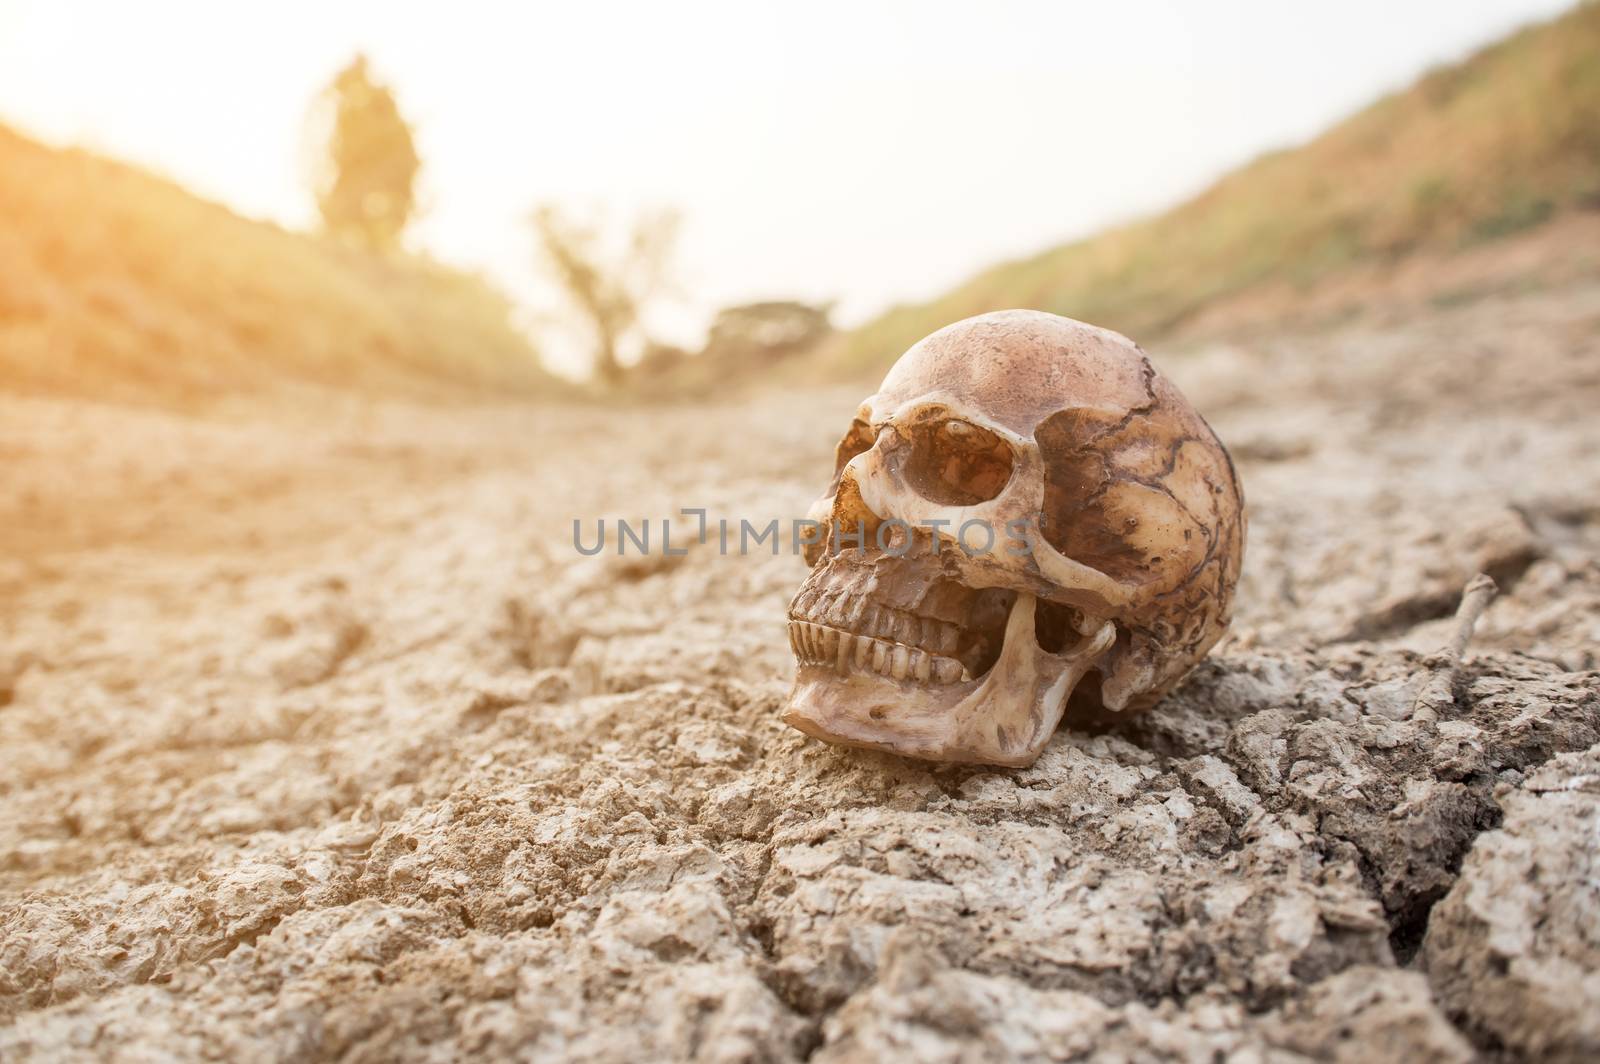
(1496, 145)
(115, 284)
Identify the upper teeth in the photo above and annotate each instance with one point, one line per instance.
(819, 644)
(856, 614)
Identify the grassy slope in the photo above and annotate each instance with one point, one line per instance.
(116, 284)
(1501, 142)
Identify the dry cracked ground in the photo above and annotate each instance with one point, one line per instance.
(320, 741)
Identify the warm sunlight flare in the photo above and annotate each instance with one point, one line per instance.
(863, 154)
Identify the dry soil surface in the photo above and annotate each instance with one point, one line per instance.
(320, 740)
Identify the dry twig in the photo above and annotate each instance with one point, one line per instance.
(1437, 689)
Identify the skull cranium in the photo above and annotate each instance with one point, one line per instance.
(1025, 509)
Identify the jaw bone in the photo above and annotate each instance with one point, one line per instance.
(1005, 717)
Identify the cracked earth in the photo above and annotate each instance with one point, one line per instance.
(321, 741)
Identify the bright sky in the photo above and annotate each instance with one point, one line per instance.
(868, 152)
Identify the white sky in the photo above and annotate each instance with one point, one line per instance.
(869, 152)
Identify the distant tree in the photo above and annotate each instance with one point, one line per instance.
(608, 287)
(762, 333)
(366, 166)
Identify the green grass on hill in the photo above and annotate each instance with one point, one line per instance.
(1491, 146)
(115, 284)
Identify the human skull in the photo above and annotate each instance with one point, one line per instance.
(1024, 510)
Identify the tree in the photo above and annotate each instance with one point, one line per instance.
(759, 334)
(608, 288)
(366, 170)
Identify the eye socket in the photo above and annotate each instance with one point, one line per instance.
(957, 463)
